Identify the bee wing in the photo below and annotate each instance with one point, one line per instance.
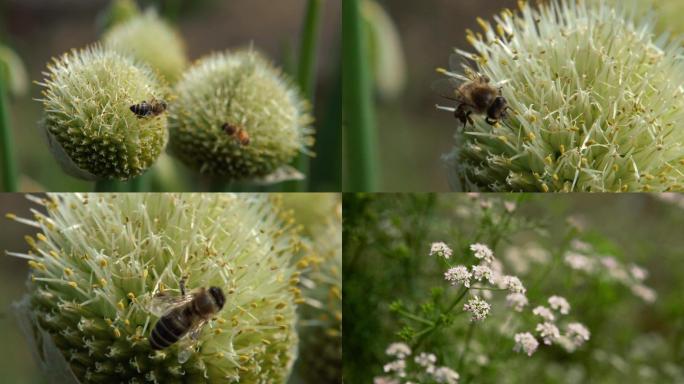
(460, 62)
(187, 345)
(447, 88)
(163, 303)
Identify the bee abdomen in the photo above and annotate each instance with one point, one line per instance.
(141, 110)
(168, 330)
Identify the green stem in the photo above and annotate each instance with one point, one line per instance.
(488, 288)
(360, 146)
(415, 318)
(306, 74)
(217, 185)
(9, 169)
(139, 184)
(107, 186)
(466, 347)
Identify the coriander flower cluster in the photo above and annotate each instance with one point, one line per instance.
(548, 331)
(422, 368)
(596, 97)
(583, 258)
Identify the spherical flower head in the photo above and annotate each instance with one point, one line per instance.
(150, 40)
(99, 260)
(517, 301)
(398, 350)
(227, 97)
(458, 275)
(577, 333)
(548, 332)
(544, 313)
(440, 249)
(482, 272)
(579, 77)
(482, 252)
(525, 342)
(513, 284)
(559, 304)
(446, 375)
(91, 129)
(478, 308)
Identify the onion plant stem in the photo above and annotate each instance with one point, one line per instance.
(9, 170)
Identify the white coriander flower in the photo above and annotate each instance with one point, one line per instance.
(482, 252)
(426, 360)
(446, 375)
(478, 308)
(513, 284)
(638, 272)
(440, 249)
(458, 275)
(485, 204)
(548, 332)
(577, 333)
(544, 313)
(385, 380)
(517, 301)
(397, 366)
(579, 262)
(644, 293)
(559, 304)
(482, 271)
(509, 206)
(581, 246)
(398, 350)
(525, 342)
(581, 77)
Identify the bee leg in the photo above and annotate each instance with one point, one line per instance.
(491, 121)
(470, 119)
(181, 284)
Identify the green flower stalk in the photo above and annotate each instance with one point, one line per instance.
(98, 260)
(119, 11)
(16, 76)
(229, 94)
(597, 104)
(91, 129)
(150, 40)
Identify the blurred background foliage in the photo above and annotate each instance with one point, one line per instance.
(37, 30)
(386, 240)
(318, 219)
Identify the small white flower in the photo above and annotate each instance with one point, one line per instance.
(548, 331)
(579, 262)
(398, 366)
(638, 272)
(578, 333)
(478, 308)
(440, 249)
(525, 342)
(644, 293)
(580, 246)
(517, 301)
(385, 380)
(482, 252)
(513, 284)
(559, 304)
(446, 375)
(485, 204)
(398, 350)
(482, 271)
(544, 313)
(458, 275)
(509, 206)
(426, 360)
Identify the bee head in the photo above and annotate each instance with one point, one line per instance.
(217, 294)
(498, 108)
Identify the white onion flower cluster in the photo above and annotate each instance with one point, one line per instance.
(583, 258)
(422, 368)
(596, 100)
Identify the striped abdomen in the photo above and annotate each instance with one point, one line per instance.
(172, 327)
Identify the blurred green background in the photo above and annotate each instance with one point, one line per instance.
(40, 29)
(387, 237)
(412, 135)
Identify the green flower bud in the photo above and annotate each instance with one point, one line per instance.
(320, 325)
(227, 97)
(152, 41)
(119, 11)
(12, 67)
(90, 126)
(99, 260)
(597, 104)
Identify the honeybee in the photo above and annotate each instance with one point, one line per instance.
(236, 131)
(476, 96)
(153, 108)
(182, 318)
